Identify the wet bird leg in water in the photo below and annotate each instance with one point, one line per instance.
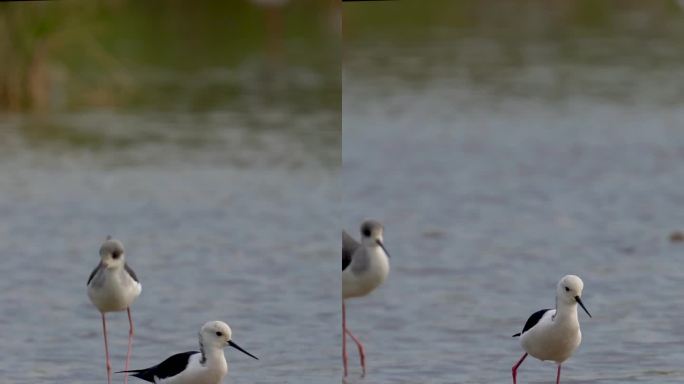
(362, 351)
(515, 368)
(130, 343)
(107, 363)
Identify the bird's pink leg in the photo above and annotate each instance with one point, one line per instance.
(362, 352)
(515, 368)
(558, 375)
(130, 344)
(344, 338)
(109, 366)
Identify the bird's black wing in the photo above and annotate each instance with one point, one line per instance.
(167, 368)
(93, 273)
(532, 321)
(349, 245)
(131, 272)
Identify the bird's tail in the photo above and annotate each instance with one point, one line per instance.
(516, 335)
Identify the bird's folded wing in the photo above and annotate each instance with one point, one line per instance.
(131, 272)
(349, 245)
(532, 321)
(167, 368)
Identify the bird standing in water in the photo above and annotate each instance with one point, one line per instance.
(112, 287)
(554, 334)
(206, 366)
(365, 266)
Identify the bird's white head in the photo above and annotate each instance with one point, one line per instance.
(569, 291)
(218, 335)
(372, 233)
(112, 253)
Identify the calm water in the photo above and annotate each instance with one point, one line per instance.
(220, 219)
(498, 168)
(211, 151)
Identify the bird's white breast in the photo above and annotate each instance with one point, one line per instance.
(553, 339)
(213, 372)
(360, 280)
(115, 291)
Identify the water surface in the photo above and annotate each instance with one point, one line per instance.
(222, 219)
(501, 159)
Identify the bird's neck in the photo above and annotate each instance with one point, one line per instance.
(566, 312)
(114, 272)
(374, 250)
(114, 269)
(212, 357)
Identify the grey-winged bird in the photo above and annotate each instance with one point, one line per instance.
(365, 266)
(112, 287)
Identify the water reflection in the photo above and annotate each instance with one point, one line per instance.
(131, 80)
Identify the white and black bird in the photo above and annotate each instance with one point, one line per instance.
(112, 287)
(206, 366)
(365, 266)
(554, 334)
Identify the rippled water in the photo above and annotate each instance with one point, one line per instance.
(498, 159)
(497, 173)
(233, 225)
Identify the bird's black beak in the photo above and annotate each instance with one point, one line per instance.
(241, 350)
(579, 301)
(383, 247)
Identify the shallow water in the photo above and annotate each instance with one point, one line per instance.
(498, 168)
(233, 226)
(207, 139)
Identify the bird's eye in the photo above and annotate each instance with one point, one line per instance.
(567, 289)
(367, 232)
(116, 255)
(219, 334)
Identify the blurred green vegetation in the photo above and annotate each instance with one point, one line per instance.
(413, 20)
(190, 55)
(610, 49)
(516, 28)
